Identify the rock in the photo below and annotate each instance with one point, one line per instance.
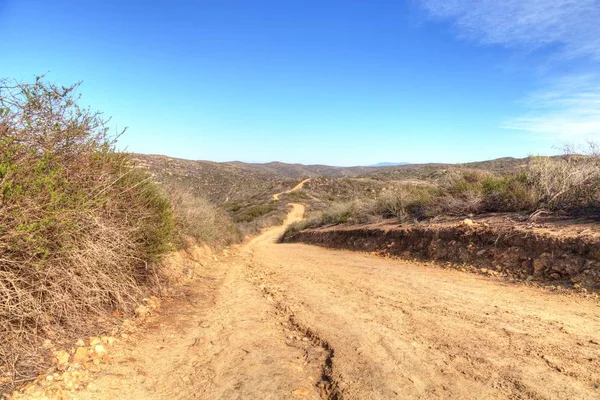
(541, 263)
(62, 357)
(81, 355)
(80, 343)
(141, 311)
(468, 222)
(94, 341)
(99, 349)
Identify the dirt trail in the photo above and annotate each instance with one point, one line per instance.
(295, 321)
(294, 189)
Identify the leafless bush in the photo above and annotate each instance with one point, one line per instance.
(564, 183)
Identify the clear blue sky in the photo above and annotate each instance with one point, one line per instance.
(335, 82)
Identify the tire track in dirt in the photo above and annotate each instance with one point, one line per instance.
(413, 330)
(289, 321)
(327, 384)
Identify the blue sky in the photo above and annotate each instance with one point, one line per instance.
(335, 82)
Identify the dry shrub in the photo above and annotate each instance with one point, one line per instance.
(251, 227)
(337, 213)
(80, 227)
(405, 202)
(566, 183)
(199, 219)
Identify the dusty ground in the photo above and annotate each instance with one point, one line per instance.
(280, 321)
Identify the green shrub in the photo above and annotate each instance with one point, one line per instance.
(405, 202)
(509, 193)
(255, 212)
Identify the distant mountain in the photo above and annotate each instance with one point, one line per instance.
(388, 164)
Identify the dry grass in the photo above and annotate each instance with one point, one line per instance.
(566, 183)
(200, 221)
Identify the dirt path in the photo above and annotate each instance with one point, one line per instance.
(294, 189)
(295, 321)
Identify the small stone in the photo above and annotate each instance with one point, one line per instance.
(100, 350)
(79, 342)
(80, 355)
(94, 341)
(468, 222)
(62, 357)
(141, 311)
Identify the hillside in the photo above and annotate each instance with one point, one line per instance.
(226, 182)
(432, 170)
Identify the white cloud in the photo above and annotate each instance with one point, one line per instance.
(568, 110)
(569, 107)
(572, 24)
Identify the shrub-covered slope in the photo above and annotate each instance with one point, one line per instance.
(80, 227)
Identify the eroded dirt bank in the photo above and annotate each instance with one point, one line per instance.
(519, 252)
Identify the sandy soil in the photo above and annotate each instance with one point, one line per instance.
(280, 321)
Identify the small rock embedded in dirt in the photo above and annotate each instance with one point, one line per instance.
(80, 355)
(62, 357)
(468, 222)
(141, 311)
(99, 349)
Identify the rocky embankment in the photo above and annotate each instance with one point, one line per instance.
(557, 254)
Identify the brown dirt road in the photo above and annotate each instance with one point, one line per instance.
(277, 321)
(294, 189)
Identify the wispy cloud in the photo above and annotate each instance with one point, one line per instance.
(569, 107)
(568, 110)
(572, 24)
